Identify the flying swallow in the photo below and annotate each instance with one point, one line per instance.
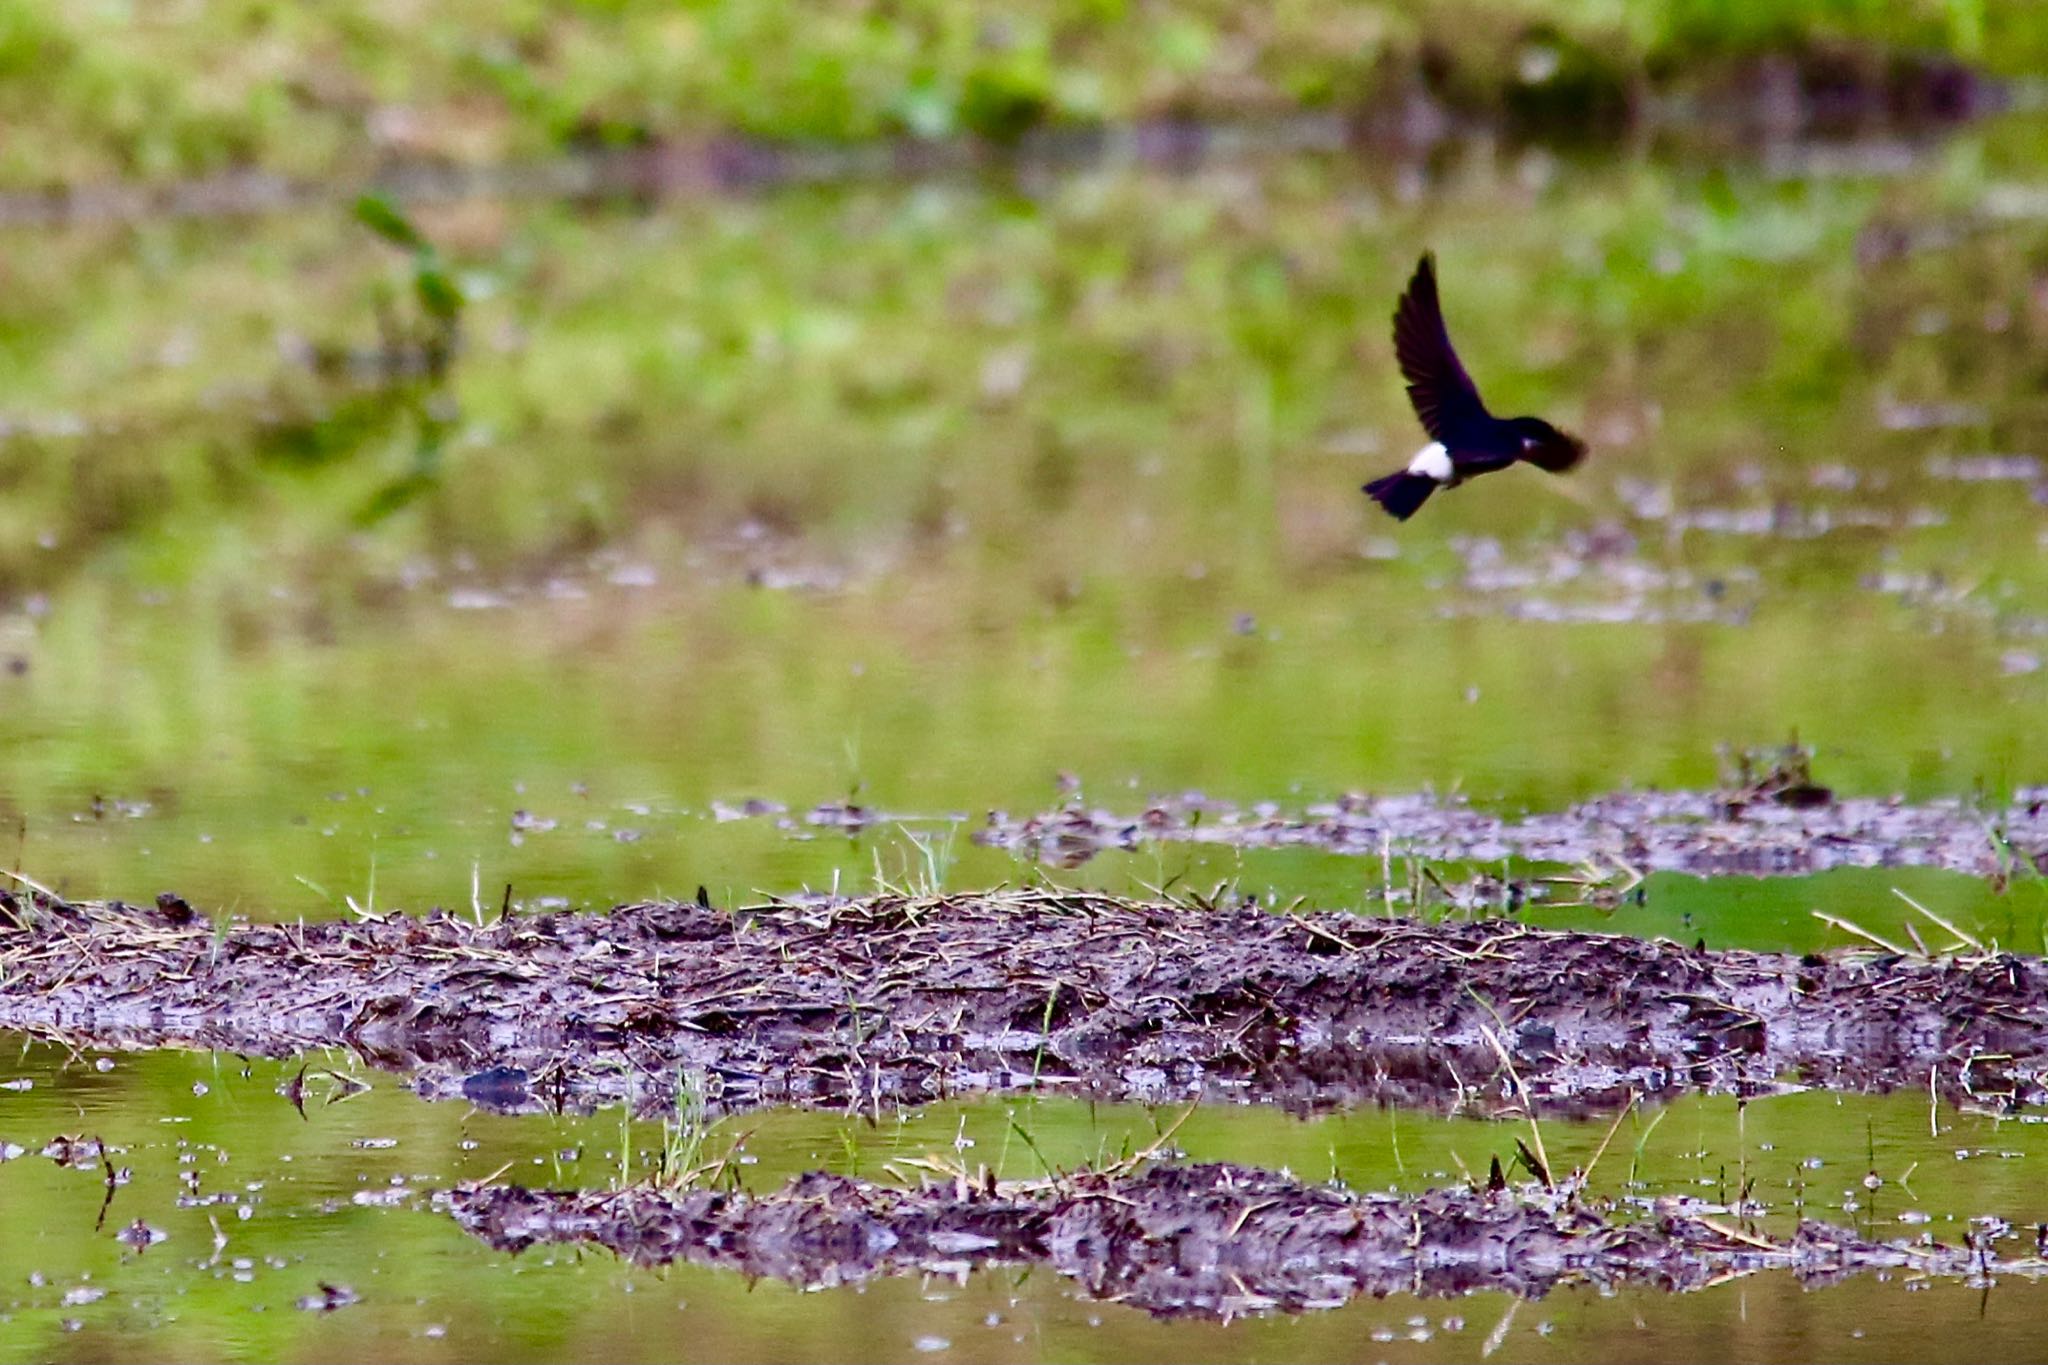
(1465, 439)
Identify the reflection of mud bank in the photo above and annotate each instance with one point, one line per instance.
(1192, 1240)
(894, 1000)
(1699, 832)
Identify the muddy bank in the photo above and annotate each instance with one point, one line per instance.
(1211, 1240)
(1773, 832)
(899, 1001)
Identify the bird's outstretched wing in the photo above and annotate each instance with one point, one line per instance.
(1443, 394)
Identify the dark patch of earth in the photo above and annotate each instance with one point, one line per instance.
(900, 1001)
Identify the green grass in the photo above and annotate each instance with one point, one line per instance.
(91, 92)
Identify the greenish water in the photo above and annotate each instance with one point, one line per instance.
(1147, 566)
(342, 1197)
(921, 495)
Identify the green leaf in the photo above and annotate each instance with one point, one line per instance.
(382, 217)
(440, 295)
(394, 497)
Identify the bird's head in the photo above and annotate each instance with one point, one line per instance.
(1544, 446)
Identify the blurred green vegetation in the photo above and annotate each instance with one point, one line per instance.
(91, 92)
(857, 363)
(919, 494)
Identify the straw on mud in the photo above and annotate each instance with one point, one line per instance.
(1521, 1091)
(506, 992)
(1920, 943)
(1319, 932)
(1721, 1229)
(1859, 931)
(1244, 1215)
(32, 884)
(1967, 940)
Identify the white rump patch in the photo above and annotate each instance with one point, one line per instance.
(1432, 461)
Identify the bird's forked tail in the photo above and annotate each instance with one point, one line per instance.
(1402, 493)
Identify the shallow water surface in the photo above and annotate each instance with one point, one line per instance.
(920, 497)
(257, 1208)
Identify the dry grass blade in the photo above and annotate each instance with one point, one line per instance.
(32, 884)
(1850, 927)
(1131, 1163)
(1522, 1094)
(1733, 1234)
(1969, 941)
(1500, 1330)
(1612, 1129)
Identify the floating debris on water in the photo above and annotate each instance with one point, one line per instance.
(141, 1236)
(1805, 828)
(329, 1298)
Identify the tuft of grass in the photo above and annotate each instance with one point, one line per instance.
(26, 905)
(924, 867)
(683, 1133)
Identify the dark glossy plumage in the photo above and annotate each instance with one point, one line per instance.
(1444, 396)
(1467, 439)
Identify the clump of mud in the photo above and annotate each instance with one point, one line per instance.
(901, 1001)
(1209, 1240)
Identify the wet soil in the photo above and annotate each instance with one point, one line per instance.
(901, 1001)
(1774, 832)
(1208, 1240)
